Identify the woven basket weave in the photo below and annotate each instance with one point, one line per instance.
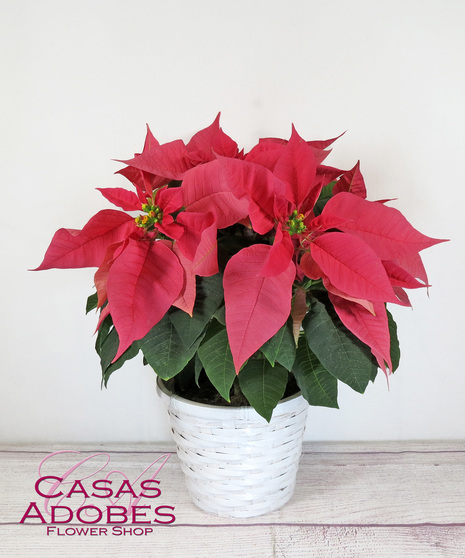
(235, 463)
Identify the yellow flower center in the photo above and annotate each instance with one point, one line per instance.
(154, 215)
(295, 223)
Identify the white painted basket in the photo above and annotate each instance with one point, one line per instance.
(235, 463)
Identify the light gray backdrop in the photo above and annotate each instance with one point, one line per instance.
(79, 82)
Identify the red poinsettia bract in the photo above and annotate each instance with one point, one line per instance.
(311, 223)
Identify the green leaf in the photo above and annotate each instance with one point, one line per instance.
(102, 334)
(374, 369)
(220, 315)
(92, 302)
(188, 328)
(128, 354)
(281, 347)
(209, 296)
(318, 386)
(339, 351)
(108, 348)
(107, 345)
(325, 195)
(198, 367)
(164, 350)
(183, 379)
(395, 348)
(263, 385)
(217, 361)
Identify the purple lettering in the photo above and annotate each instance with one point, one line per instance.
(135, 514)
(144, 485)
(77, 488)
(125, 484)
(157, 512)
(28, 515)
(95, 486)
(86, 508)
(50, 492)
(53, 518)
(111, 512)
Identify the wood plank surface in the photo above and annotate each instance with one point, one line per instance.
(390, 500)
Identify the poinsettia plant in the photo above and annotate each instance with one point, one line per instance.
(246, 272)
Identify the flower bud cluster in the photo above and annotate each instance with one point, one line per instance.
(295, 223)
(153, 215)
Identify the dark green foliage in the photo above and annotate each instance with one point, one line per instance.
(195, 351)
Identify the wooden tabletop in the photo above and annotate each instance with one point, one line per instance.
(370, 500)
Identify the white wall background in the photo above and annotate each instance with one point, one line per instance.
(79, 82)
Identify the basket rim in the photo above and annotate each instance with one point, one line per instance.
(163, 390)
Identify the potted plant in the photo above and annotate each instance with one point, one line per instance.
(252, 283)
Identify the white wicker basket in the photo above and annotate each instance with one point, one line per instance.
(235, 463)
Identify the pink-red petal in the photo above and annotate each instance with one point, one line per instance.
(72, 248)
(209, 142)
(256, 306)
(142, 284)
(297, 168)
(351, 181)
(352, 266)
(168, 160)
(383, 228)
(371, 329)
(280, 254)
(206, 190)
(121, 198)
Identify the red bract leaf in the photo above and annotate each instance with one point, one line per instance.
(325, 174)
(280, 254)
(323, 144)
(399, 277)
(150, 141)
(309, 266)
(383, 228)
(168, 160)
(169, 199)
(413, 264)
(186, 298)
(87, 247)
(320, 154)
(256, 306)
(261, 188)
(135, 176)
(367, 304)
(143, 283)
(297, 168)
(144, 182)
(351, 181)
(206, 190)
(122, 198)
(319, 148)
(402, 296)
(206, 258)
(373, 330)
(194, 224)
(352, 266)
(266, 153)
(170, 228)
(101, 275)
(325, 222)
(211, 141)
(199, 241)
